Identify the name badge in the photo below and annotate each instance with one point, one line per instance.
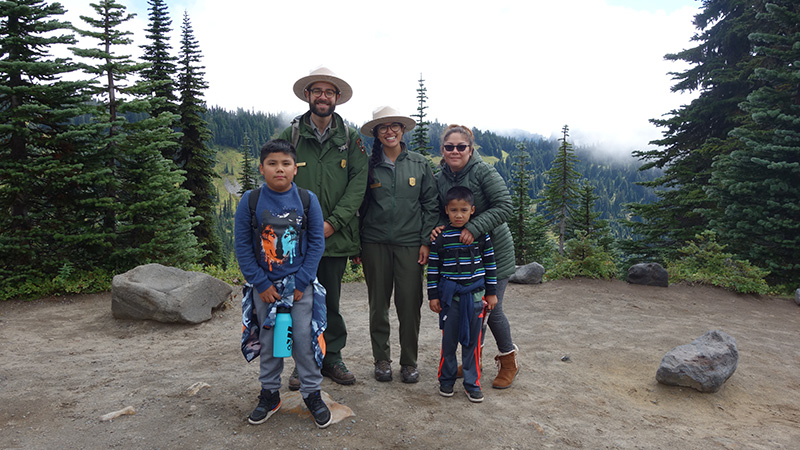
(412, 181)
(375, 185)
(344, 163)
(301, 164)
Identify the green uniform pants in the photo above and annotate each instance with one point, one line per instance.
(386, 267)
(330, 272)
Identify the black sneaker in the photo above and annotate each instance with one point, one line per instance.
(474, 396)
(445, 391)
(410, 374)
(268, 404)
(294, 381)
(338, 372)
(318, 408)
(383, 371)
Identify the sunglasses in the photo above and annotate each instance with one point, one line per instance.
(459, 147)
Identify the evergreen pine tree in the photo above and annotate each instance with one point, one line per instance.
(148, 215)
(42, 154)
(114, 69)
(528, 230)
(162, 66)
(420, 141)
(585, 220)
(758, 183)
(560, 193)
(697, 133)
(156, 222)
(194, 155)
(248, 179)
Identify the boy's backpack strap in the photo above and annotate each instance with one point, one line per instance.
(253, 202)
(305, 198)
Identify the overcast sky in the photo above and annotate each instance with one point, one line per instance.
(595, 65)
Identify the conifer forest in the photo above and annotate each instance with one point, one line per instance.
(110, 160)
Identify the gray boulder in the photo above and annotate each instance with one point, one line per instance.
(648, 274)
(166, 294)
(797, 297)
(704, 365)
(528, 274)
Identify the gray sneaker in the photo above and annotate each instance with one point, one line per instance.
(446, 391)
(410, 374)
(474, 396)
(322, 415)
(269, 402)
(383, 371)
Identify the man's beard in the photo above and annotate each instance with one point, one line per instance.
(313, 107)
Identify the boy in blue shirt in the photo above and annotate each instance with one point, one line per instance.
(278, 255)
(458, 276)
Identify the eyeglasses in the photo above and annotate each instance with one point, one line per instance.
(396, 127)
(459, 147)
(317, 92)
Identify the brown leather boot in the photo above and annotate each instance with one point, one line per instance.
(507, 368)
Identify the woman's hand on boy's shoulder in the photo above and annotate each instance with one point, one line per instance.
(436, 231)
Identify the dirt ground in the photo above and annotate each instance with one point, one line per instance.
(65, 362)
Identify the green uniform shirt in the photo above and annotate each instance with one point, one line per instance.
(401, 204)
(336, 171)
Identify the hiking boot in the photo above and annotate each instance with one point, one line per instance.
(475, 396)
(338, 372)
(268, 404)
(445, 391)
(294, 381)
(383, 371)
(318, 408)
(507, 369)
(410, 374)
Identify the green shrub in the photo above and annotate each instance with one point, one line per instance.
(353, 273)
(230, 274)
(583, 257)
(68, 281)
(703, 261)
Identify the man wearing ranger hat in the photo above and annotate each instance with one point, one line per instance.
(331, 163)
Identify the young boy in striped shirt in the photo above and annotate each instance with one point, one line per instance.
(461, 282)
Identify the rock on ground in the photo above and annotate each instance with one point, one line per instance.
(648, 274)
(166, 294)
(704, 365)
(528, 274)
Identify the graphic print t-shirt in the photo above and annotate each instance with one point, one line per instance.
(280, 237)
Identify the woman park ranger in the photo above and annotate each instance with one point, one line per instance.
(399, 212)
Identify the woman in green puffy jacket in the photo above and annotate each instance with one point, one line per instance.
(400, 209)
(462, 166)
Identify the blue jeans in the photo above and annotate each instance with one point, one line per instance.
(498, 322)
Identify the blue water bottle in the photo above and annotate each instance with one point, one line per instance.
(282, 339)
